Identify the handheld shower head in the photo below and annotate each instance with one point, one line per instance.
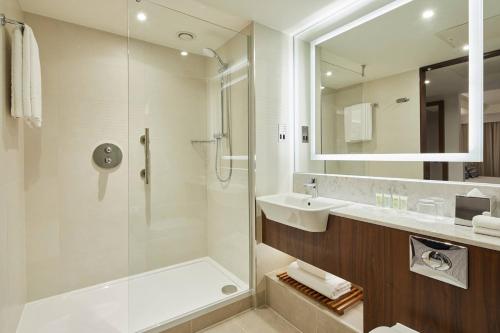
(213, 54)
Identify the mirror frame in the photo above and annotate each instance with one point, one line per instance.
(476, 69)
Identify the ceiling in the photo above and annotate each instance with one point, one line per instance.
(163, 26)
(212, 21)
(282, 15)
(165, 18)
(401, 40)
(108, 15)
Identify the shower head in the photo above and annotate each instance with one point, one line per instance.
(213, 54)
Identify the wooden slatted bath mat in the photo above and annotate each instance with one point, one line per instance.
(338, 305)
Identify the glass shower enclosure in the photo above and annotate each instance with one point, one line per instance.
(189, 198)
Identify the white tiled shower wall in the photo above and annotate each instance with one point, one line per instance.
(79, 229)
(274, 160)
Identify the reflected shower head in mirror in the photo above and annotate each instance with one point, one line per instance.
(213, 54)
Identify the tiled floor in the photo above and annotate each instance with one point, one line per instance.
(262, 320)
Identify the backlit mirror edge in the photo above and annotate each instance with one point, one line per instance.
(476, 63)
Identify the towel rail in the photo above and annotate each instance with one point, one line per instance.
(4, 20)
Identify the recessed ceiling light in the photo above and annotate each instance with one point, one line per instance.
(142, 16)
(329, 73)
(322, 87)
(427, 81)
(184, 53)
(465, 47)
(427, 14)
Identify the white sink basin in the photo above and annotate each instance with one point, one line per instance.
(299, 210)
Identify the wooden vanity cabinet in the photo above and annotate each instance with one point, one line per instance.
(377, 259)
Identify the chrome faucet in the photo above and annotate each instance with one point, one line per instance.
(312, 188)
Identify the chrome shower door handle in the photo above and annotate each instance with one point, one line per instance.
(146, 172)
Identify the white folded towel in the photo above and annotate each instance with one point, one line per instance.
(486, 231)
(16, 109)
(312, 269)
(487, 222)
(332, 287)
(32, 79)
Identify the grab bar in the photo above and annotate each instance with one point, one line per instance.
(146, 172)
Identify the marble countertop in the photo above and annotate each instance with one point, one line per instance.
(439, 227)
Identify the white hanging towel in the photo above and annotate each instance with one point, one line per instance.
(17, 74)
(358, 122)
(32, 79)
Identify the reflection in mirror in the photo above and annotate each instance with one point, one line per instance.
(399, 84)
(445, 117)
(370, 83)
(445, 111)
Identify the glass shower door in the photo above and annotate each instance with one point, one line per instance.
(189, 230)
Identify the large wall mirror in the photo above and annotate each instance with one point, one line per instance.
(405, 83)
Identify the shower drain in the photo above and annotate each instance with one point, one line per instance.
(229, 289)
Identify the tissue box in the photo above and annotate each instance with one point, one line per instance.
(466, 207)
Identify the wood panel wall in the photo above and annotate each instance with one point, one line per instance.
(377, 259)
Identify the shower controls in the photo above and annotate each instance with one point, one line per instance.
(107, 156)
(439, 260)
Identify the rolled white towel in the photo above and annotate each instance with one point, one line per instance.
(312, 269)
(486, 231)
(332, 287)
(487, 222)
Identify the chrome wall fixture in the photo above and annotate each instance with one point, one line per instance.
(146, 172)
(442, 261)
(4, 20)
(107, 156)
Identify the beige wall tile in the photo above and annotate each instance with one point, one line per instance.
(226, 327)
(228, 231)
(168, 217)
(77, 220)
(327, 323)
(301, 312)
(182, 328)
(274, 163)
(85, 226)
(278, 298)
(12, 211)
(268, 259)
(221, 314)
(307, 315)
